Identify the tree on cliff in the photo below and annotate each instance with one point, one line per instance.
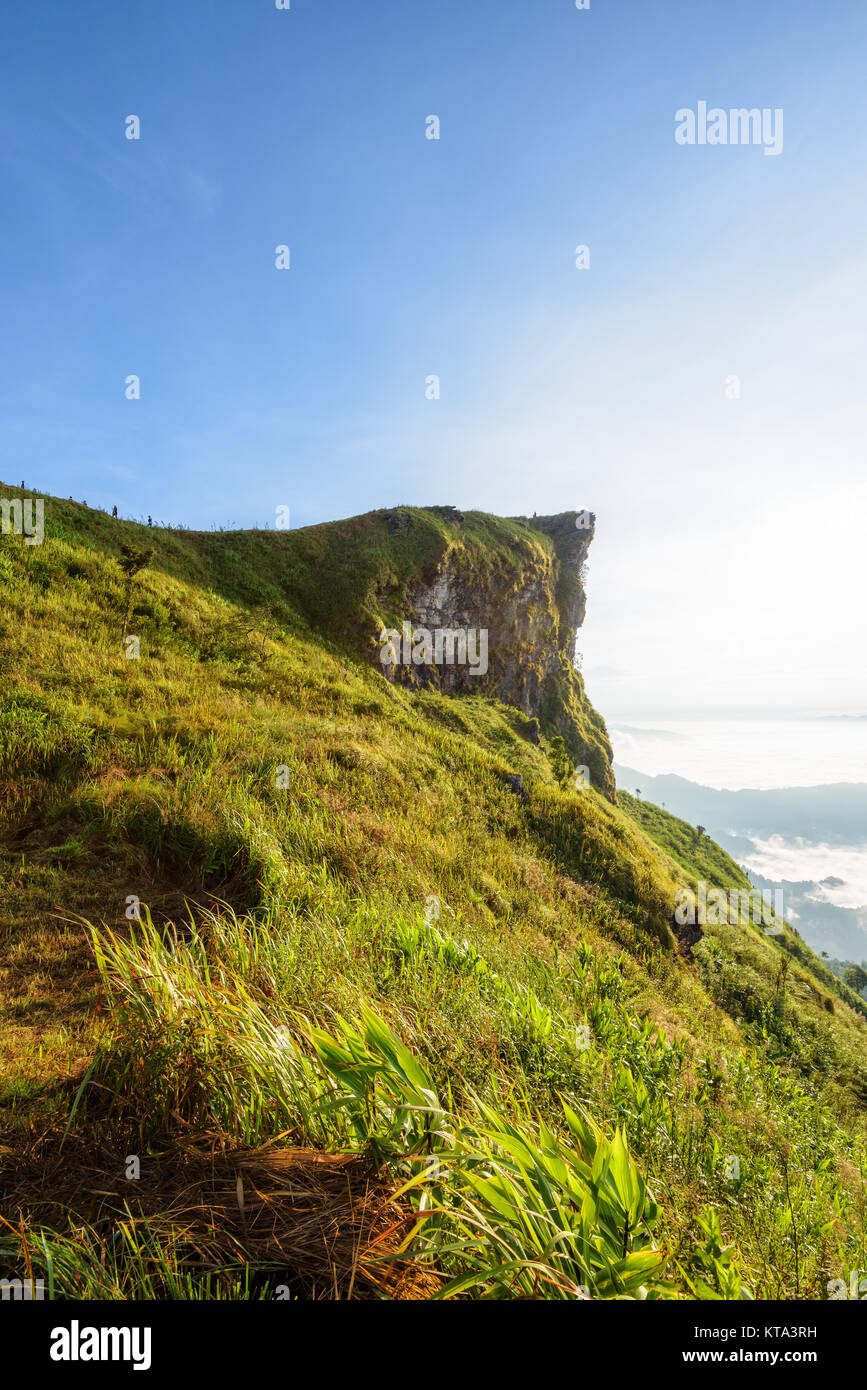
(561, 763)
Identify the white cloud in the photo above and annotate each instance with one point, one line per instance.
(797, 861)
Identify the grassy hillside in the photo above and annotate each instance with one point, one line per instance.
(280, 932)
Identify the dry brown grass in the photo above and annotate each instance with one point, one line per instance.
(327, 1226)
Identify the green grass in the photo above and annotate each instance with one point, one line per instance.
(257, 898)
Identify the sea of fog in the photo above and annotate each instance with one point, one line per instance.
(765, 754)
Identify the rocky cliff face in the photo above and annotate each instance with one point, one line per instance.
(529, 598)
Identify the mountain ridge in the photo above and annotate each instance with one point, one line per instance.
(256, 894)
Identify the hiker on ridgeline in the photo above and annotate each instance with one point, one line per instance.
(150, 521)
(114, 511)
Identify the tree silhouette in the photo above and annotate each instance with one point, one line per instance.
(133, 559)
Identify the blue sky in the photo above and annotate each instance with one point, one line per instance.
(559, 388)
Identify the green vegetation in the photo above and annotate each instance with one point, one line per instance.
(372, 1024)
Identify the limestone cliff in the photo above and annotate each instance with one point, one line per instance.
(529, 598)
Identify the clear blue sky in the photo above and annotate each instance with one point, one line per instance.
(560, 388)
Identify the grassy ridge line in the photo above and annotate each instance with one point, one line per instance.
(330, 574)
(345, 580)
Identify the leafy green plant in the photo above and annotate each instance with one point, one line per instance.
(541, 1216)
(720, 1277)
(561, 763)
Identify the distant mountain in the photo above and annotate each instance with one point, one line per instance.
(832, 814)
